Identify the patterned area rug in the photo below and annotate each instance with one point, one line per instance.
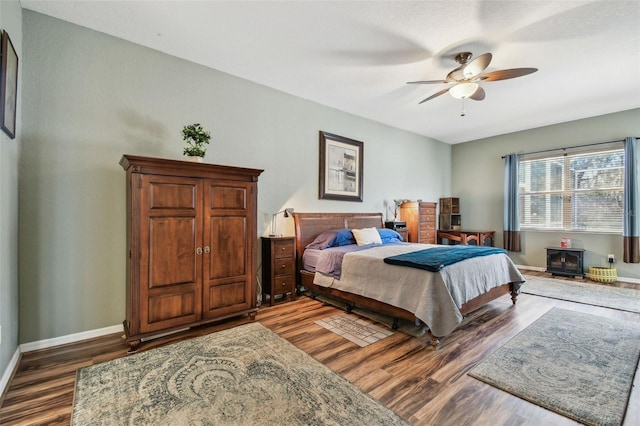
(354, 329)
(576, 364)
(247, 375)
(623, 299)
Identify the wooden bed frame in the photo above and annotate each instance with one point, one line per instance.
(309, 225)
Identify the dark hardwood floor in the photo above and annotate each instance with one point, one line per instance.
(425, 387)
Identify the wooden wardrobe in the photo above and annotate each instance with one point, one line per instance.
(191, 244)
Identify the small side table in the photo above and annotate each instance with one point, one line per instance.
(278, 268)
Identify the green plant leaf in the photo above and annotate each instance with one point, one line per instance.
(196, 138)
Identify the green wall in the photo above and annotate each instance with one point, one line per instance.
(477, 178)
(91, 98)
(10, 21)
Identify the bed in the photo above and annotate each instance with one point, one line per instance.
(442, 313)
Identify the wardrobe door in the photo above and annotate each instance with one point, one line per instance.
(228, 228)
(170, 288)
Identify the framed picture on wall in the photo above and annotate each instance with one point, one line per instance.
(341, 168)
(8, 86)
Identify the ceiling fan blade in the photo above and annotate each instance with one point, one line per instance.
(476, 66)
(455, 75)
(428, 82)
(507, 74)
(478, 95)
(435, 95)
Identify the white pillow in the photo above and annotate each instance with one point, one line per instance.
(366, 236)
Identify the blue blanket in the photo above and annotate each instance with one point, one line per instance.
(436, 258)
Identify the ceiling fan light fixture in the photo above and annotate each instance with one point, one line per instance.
(463, 90)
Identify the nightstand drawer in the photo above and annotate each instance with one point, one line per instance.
(284, 284)
(283, 266)
(283, 249)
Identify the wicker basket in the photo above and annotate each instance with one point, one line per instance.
(603, 275)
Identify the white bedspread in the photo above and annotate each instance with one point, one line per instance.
(433, 297)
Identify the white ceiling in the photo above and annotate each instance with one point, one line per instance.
(356, 56)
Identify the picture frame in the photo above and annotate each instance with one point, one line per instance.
(341, 168)
(8, 85)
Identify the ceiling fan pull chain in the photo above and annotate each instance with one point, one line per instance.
(463, 113)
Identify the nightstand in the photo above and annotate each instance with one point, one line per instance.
(278, 268)
(399, 227)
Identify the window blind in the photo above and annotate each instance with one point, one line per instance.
(581, 191)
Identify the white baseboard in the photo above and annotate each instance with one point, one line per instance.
(13, 364)
(70, 338)
(531, 268)
(629, 280)
(541, 269)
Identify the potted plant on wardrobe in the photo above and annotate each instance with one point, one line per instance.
(197, 140)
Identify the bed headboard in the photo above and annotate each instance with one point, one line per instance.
(309, 225)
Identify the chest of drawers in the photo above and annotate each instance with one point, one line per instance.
(420, 217)
(278, 269)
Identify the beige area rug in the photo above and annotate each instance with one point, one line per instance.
(623, 299)
(247, 375)
(579, 365)
(355, 329)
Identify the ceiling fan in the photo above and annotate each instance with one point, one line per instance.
(464, 81)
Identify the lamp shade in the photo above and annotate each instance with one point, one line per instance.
(463, 90)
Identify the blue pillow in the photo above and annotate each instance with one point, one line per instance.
(344, 237)
(389, 236)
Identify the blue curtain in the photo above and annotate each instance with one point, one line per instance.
(511, 219)
(631, 230)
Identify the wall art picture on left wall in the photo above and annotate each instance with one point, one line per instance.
(340, 168)
(8, 86)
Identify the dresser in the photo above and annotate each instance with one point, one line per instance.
(278, 269)
(420, 217)
(191, 251)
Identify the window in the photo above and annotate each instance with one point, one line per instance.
(573, 192)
